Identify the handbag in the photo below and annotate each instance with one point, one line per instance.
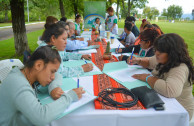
(148, 97)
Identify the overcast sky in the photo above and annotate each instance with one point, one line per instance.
(187, 5)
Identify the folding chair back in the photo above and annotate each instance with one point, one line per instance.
(7, 65)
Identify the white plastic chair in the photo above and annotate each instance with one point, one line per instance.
(7, 65)
(39, 40)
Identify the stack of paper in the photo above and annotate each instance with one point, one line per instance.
(76, 63)
(86, 98)
(87, 51)
(68, 84)
(91, 47)
(125, 75)
(122, 73)
(86, 33)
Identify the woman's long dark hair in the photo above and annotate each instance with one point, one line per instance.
(49, 21)
(176, 48)
(155, 25)
(150, 34)
(55, 29)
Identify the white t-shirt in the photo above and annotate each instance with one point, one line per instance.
(130, 39)
(77, 27)
(113, 19)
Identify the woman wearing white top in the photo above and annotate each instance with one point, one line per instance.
(111, 21)
(77, 25)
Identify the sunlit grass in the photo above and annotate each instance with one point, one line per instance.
(7, 49)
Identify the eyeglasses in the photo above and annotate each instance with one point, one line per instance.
(144, 40)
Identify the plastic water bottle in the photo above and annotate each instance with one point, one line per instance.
(102, 30)
(83, 25)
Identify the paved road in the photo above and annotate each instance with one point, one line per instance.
(8, 32)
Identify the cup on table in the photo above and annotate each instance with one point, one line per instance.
(80, 38)
(108, 35)
(96, 28)
(112, 39)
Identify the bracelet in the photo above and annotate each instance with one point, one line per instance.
(148, 77)
(139, 61)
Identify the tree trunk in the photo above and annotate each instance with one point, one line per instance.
(117, 8)
(110, 2)
(18, 25)
(124, 8)
(6, 15)
(193, 13)
(61, 8)
(129, 8)
(130, 3)
(75, 7)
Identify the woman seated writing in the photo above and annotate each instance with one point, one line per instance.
(173, 73)
(57, 35)
(145, 48)
(18, 100)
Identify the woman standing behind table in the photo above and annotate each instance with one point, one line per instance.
(18, 99)
(173, 72)
(77, 25)
(111, 21)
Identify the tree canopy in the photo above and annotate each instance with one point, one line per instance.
(173, 12)
(40, 9)
(150, 12)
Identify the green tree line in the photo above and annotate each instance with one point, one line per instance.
(40, 9)
(173, 12)
(15, 11)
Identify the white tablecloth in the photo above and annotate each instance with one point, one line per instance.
(173, 115)
(115, 45)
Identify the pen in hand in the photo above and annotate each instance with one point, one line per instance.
(85, 61)
(132, 54)
(78, 81)
(118, 49)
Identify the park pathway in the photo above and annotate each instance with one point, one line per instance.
(6, 33)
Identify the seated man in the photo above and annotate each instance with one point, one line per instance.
(135, 30)
(75, 44)
(130, 38)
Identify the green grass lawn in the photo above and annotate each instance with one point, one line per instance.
(10, 24)
(7, 49)
(5, 24)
